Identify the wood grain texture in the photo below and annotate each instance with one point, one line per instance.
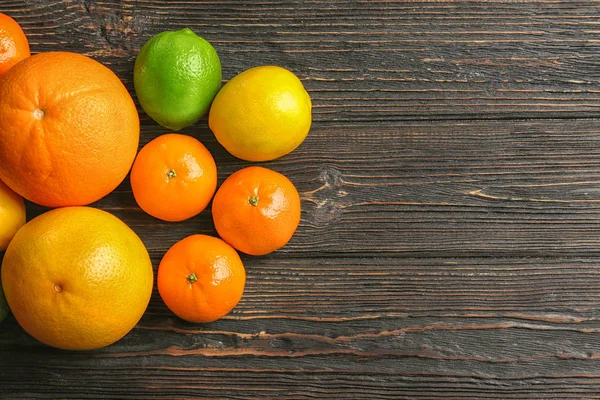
(449, 246)
(365, 60)
(425, 189)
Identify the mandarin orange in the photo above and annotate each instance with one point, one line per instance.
(174, 177)
(201, 278)
(256, 210)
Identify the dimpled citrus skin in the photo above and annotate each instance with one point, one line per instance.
(12, 214)
(77, 278)
(176, 76)
(217, 283)
(256, 210)
(69, 130)
(14, 45)
(261, 114)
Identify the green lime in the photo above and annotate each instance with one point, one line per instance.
(3, 305)
(176, 76)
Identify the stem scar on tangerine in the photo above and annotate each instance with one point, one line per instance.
(192, 278)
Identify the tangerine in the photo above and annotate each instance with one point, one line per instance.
(174, 177)
(201, 278)
(256, 210)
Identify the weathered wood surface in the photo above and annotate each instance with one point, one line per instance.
(450, 238)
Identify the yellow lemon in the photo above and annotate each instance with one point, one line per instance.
(261, 114)
(12, 214)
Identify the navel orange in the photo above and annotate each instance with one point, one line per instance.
(201, 278)
(14, 45)
(77, 278)
(69, 130)
(174, 177)
(256, 210)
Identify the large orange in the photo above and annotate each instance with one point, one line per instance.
(69, 130)
(201, 278)
(77, 278)
(174, 177)
(13, 43)
(256, 210)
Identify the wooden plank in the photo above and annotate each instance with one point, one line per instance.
(448, 246)
(341, 290)
(368, 61)
(256, 383)
(423, 189)
(373, 328)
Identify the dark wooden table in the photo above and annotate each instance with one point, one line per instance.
(450, 237)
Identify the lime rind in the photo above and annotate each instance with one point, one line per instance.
(176, 76)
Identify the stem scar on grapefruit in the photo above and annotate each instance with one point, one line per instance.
(69, 132)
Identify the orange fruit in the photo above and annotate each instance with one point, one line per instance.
(174, 177)
(256, 210)
(69, 130)
(201, 278)
(77, 278)
(13, 43)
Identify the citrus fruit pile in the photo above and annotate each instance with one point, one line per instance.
(79, 278)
